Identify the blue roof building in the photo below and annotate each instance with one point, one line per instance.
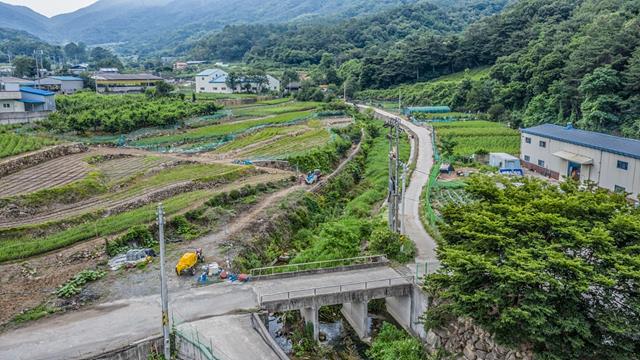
(37, 99)
(564, 152)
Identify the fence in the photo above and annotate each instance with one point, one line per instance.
(337, 289)
(327, 264)
(189, 344)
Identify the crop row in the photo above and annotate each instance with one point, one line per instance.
(290, 146)
(275, 110)
(468, 124)
(476, 131)
(13, 144)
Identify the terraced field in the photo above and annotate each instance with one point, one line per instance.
(14, 144)
(48, 175)
(287, 146)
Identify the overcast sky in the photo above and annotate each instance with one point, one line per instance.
(52, 7)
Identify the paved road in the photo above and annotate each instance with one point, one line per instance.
(424, 162)
(109, 326)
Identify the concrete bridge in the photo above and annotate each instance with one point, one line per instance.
(353, 290)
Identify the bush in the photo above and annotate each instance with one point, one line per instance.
(137, 236)
(74, 286)
(392, 343)
(397, 247)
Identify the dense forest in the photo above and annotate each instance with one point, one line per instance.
(552, 61)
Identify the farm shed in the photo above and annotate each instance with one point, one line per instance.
(427, 110)
(504, 161)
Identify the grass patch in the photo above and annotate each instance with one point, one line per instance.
(36, 313)
(278, 109)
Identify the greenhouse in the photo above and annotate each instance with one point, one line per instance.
(427, 110)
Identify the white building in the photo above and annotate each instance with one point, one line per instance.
(215, 81)
(21, 104)
(565, 152)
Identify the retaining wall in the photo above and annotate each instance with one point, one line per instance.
(470, 342)
(14, 164)
(137, 351)
(23, 118)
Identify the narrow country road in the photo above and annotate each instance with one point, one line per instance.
(422, 148)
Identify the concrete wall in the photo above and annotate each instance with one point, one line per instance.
(22, 117)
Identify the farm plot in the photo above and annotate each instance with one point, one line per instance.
(57, 172)
(448, 192)
(14, 144)
(219, 131)
(277, 109)
(288, 146)
(478, 136)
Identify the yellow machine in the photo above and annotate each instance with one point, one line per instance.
(187, 263)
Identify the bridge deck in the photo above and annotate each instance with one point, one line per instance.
(331, 288)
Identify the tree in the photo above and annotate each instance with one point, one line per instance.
(232, 80)
(289, 77)
(163, 88)
(552, 267)
(24, 66)
(448, 145)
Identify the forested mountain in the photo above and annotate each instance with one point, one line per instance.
(22, 18)
(552, 61)
(150, 24)
(15, 43)
(375, 35)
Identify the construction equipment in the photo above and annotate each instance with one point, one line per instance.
(313, 177)
(187, 263)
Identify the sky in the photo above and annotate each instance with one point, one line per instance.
(52, 7)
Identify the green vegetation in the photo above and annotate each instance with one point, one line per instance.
(472, 137)
(14, 144)
(137, 236)
(533, 263)
(332, 225)
(392, 343)
(74, 286)
(88, 111)
(36, 313)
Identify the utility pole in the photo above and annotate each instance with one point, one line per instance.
(405, 170)
(394, 174)
(163, 287)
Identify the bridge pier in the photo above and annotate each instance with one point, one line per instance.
(357, 315)
(310, 316)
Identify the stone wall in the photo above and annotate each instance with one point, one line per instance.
(14, 164)
(467, 341)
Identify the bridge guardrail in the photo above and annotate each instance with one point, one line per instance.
(322, 290)
(326, 264)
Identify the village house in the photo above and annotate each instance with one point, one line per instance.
(563, 152)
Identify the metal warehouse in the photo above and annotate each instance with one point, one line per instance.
(565, 152)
